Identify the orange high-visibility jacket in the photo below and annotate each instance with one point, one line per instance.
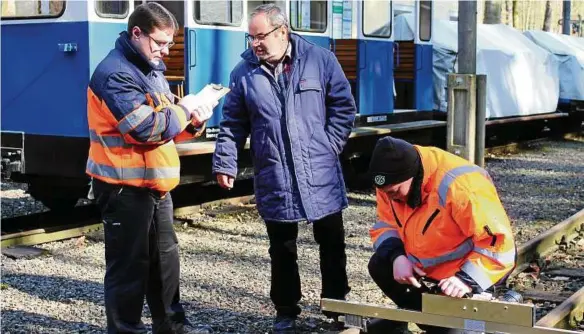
(460, 225)
(133, 123)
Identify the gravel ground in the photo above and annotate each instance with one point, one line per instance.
(224, 260)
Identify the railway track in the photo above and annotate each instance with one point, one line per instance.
(40, 228)
(514, 146)
(550, 258)
(532, 258)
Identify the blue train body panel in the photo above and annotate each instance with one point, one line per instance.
(322, 41)
(210, 56)
(375, 77)
(43, 88)
(423, 77)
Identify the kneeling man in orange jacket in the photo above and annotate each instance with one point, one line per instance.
(439, 217)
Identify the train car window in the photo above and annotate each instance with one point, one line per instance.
(308, 16)
(32, 9)
(215, 12)
(403, 11)
(425, 20)
(377, 18)
(108, 8)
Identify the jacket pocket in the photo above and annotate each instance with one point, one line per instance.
(309, 84)
(430, 220)
(309, 102)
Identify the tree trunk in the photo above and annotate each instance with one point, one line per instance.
(492, 12)
(515, 11)
(508, 11)
(547, 19)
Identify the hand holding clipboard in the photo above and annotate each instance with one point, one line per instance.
(201, 105)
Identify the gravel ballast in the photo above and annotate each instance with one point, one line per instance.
(225, 265)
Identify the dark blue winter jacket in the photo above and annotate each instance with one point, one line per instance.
(295, 145)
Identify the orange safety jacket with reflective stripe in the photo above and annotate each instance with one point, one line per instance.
(133, 123)
(460, 224)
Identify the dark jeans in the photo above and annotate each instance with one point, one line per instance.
(141, 255)
(403, 295)
(285, 289)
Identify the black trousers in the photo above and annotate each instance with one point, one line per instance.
(403, 295)
(285, 289)
(141, 255)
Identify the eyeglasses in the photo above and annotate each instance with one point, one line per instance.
(260, 37)
(161, 44)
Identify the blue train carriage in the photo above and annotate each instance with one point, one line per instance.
(49, 50)
(44, 129)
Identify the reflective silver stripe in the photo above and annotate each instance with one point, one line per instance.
(477, 274)
(413, 259)
(108, 141)
(159, 128)
(453, 174)
(462, 250)
(133, 119)
(381, 224)
(132, 173)
(384, 236)
(507, 257)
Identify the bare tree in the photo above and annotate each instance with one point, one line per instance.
(515, 11)
(547, 19)
(508, 11)
(492, 12)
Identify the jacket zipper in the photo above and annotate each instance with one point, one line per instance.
(395, 216)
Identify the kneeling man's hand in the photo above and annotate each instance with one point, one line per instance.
(403, 271)
(454, 287)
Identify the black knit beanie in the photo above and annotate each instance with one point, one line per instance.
(393, 161)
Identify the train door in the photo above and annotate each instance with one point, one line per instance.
(214, 41)
(375, 63)
(423, 75)
(413, 55)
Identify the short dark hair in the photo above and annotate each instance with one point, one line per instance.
(152, 15)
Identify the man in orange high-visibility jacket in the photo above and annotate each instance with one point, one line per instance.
(440, 217)
(133, 162)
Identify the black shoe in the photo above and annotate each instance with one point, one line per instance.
(284, 325)
(188, 328)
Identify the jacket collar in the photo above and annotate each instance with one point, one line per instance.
(430, 167)
(299, 47)
(124, 45)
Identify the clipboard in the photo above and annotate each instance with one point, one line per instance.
(212, 93)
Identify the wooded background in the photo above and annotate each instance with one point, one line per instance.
(521, 14)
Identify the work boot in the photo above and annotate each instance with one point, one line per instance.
(284, 325)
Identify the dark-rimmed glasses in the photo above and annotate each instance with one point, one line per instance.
(161, 44)
(260, 37)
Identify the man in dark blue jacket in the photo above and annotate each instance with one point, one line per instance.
(294, 99)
